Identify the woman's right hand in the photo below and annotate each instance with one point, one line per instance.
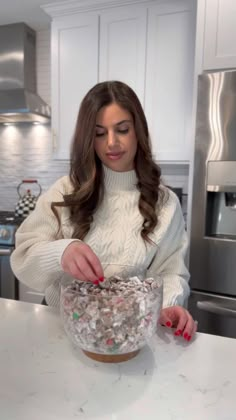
(80, 262)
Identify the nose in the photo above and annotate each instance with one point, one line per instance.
(112, 138)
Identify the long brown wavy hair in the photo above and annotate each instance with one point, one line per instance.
(86, 171)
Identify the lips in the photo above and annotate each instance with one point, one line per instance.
(115, 155)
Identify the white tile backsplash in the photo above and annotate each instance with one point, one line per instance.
(26, 150)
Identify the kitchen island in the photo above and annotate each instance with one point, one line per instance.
(44, 378)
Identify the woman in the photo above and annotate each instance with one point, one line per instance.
(112, 208)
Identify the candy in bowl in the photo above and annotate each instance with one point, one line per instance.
(112, 321)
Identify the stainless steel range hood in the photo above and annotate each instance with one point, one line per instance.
(18, 99)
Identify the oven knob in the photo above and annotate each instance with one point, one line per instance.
(4, 233)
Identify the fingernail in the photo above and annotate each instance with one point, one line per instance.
(178, 332)
(186, 336)
(189, 337)
(96, 282)
(101, 279)
(168, 324)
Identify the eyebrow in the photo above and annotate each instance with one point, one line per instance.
(119, 123)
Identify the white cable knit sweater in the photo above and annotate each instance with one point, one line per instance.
(114, 236)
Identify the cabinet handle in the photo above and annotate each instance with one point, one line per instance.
(216, 309)
(4, 252)
(54, 140)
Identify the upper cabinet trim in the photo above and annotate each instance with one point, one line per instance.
(77, 6)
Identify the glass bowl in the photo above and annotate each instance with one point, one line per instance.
(112, 325)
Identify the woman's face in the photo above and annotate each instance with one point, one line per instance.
(115, 141)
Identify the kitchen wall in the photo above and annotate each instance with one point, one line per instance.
(26, 151)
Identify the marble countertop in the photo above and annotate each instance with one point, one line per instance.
(44, 378)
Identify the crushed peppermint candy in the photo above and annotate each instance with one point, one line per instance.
(114, 317)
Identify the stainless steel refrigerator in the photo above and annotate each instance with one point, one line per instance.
(213, 232)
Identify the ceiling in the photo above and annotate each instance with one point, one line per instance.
(27, 11)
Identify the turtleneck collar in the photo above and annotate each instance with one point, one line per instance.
(119, 181)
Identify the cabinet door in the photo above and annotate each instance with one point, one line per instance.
(122, 46)
(169, 79)
(74, 72)
(220, 35)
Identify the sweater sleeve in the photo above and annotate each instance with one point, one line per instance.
(36, 261)
(169, 260)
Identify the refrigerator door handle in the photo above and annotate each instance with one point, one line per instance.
(216, 308)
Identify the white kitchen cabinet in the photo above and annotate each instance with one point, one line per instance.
(220, 35)
(123, 46)
(149, 46)
(26, 294)
(74, 72)
(169, 78)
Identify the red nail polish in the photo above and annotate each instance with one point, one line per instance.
(168, 324)
(189, 337)
(96, 282)
(178, 332)
(101, 279)
(186, 336)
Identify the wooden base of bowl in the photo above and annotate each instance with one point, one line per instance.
(111, 358)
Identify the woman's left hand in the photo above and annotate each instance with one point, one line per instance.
(180, 319)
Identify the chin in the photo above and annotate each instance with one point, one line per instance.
(118, 167)
(113, 167)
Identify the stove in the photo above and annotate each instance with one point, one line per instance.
(9, 285)
(8, 226)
